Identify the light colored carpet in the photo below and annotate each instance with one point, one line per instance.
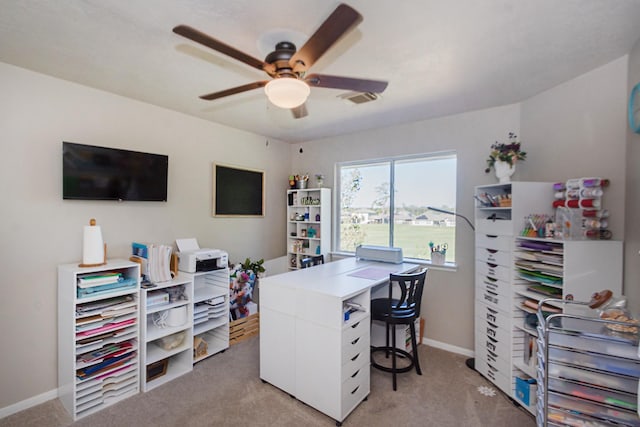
(226, 390)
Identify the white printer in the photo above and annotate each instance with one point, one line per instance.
(192, 258)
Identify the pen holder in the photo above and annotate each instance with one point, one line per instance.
(437, 258)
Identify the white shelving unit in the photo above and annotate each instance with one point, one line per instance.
(211, 310)
(509, 265)
(575, 269)
(496, 229)
(308, 209)
(98, 359)
(167, 341)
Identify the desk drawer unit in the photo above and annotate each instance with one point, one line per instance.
(494, 374)
(494, 271)
(494, 293)
(355, 365)
(494, 241)
(493, 256)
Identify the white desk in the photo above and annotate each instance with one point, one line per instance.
(307, 348)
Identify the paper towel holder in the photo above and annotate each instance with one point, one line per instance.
(93, 243)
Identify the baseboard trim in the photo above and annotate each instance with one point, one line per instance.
(448, 347)
(28, 403)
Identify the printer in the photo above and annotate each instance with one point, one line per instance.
(192, 258)
(202, 260)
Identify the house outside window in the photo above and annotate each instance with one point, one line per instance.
(384, 202)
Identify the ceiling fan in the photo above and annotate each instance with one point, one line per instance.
(290, 85)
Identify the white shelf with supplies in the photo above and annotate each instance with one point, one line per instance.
(499, 213)
(308, 224)
(560, 269)
(166, 336)
(210, 312)
(513, 273)
(98, 329)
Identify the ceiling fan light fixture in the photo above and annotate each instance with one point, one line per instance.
(287, 92)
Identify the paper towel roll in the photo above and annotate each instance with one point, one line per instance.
(93, 246)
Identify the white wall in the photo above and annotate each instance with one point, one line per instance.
(573, 130)
(40, 230)
(579, 129)
(632, 235)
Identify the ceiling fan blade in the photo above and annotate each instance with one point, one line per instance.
(234, 90)
(346, 83)
(300, 111)
(339, 23)
(210, 42)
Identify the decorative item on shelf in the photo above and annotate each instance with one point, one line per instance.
(318, 217)
(538, 225)
(303, 233)
(311, 232)
(301, 181)
(243, 279)
(292, 182)
(94, 251)
(319, 180)
(503, 158)
(200, 347)
(438, 253)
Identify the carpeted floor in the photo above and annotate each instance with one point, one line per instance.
(225, 390)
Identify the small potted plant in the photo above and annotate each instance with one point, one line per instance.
(503, 157)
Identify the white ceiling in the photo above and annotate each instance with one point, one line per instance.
(440, 57)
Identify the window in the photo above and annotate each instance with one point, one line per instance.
(385, 202)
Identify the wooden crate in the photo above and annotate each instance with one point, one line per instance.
(244, 328)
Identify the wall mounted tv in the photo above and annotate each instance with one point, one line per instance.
(101, 173)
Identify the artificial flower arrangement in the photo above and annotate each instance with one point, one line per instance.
(243, 279)
(509, 152)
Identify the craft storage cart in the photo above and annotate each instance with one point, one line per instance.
(98, 327)
(588, 369)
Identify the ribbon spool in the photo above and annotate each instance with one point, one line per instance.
(94, 252)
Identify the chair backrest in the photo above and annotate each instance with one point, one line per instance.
(410, 286)
(311, 261)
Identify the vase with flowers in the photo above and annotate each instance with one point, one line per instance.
(503, 158)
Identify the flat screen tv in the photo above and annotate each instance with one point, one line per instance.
(101, 173)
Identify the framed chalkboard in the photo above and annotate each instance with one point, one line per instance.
(237, 191)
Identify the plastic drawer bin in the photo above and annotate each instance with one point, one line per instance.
(595, 361)
(616, 382)
(609, 397)
(580, 406)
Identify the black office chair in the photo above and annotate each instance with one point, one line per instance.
(399, 311)
(311, 261)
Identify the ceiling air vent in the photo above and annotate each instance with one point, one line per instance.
(359, 97)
